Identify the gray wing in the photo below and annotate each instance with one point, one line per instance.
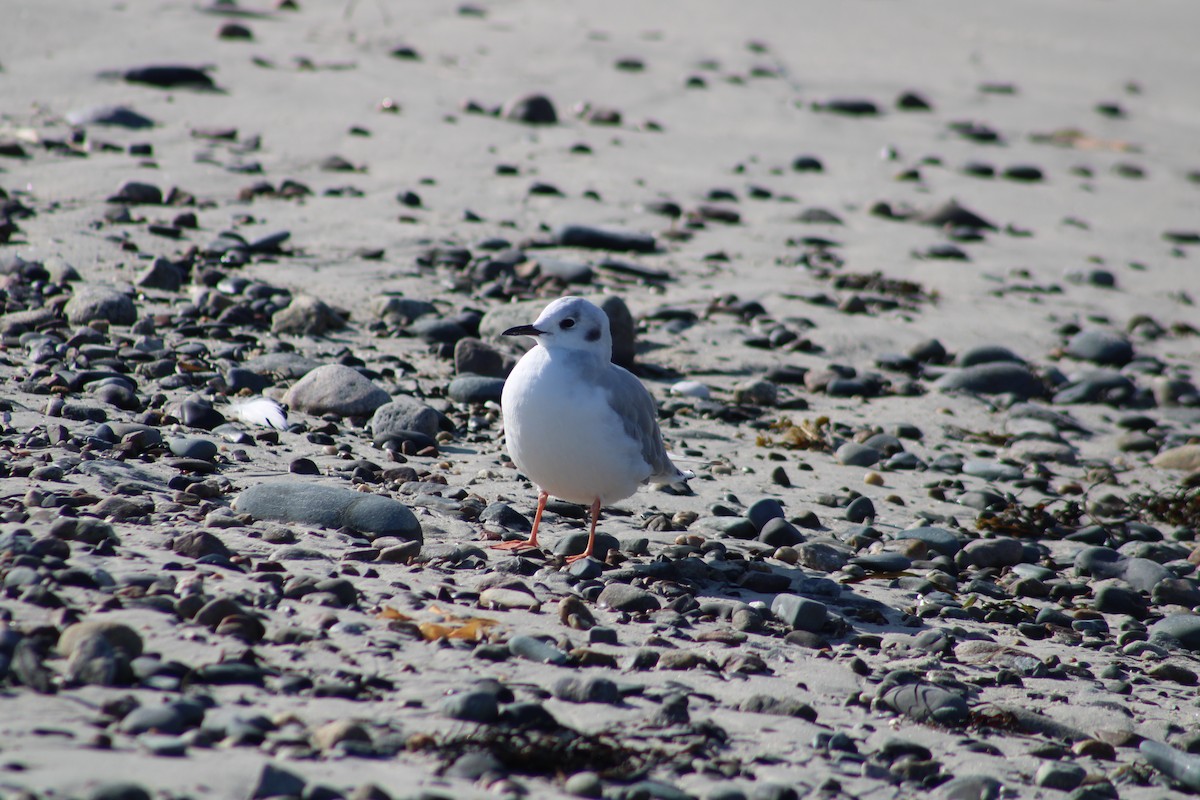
(634, 404)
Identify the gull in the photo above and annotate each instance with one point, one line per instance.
(580, 427)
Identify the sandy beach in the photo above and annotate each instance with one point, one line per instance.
(912, 283)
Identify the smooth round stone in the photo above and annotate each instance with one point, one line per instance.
(329, 507)
(947, 463)
(1185, 628)
(306, 316)
(92, 303)
(883, 562)
(193, 447)
(999, 552)
(505, 516)
(336, 389)
(1033, 572)
(853, 454)
(1099, 386)
(162, 745)
(905, 461)
(474, 706)
(763, 511)
(532, 109)
(532, 648)
(923, 703)
(119, 790)
(1144, 574)
(592, 237)
(239, 378)
(169, 718)
(475, 389)
(593, 689)
(575, 543)
(986, 354)
(623, 597)
(116, 635)
(1030, 451)
(584, 784)
(982, 499)
(992, 470)
(778, 532)
(943, 541)
(1184, 458)
(1117, 600)
(405, 413)
(971, 787)
(1100, 347)
(999, 377)
(799, 613)
(861, 509)
(196, 412)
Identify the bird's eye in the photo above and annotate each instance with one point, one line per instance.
(567, 324)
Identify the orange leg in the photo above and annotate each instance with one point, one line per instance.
(531, 543)
(591, 545)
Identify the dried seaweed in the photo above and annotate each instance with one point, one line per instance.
(1174, 507)
(808, 435)
(1035, 521)
(621, 754)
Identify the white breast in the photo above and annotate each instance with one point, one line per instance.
(563, 434)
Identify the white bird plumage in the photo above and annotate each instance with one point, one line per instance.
(580, 427)
(261, 411)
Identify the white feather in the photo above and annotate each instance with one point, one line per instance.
(261, 411)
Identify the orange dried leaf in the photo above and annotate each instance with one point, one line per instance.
(390, 613)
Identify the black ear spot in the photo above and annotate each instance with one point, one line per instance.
(593, 335)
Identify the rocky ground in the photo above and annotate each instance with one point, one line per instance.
(913, 287)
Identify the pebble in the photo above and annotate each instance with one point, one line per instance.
(591, 237)
(799, 613)
(1184, 458)
(329, 507)
(532, 109)
(475, 389)
(1100, 347)
(405, 414)
(623, 597)
(994, 378)
(100, 303)
(853, 454)
(306, 316)
(336, 389)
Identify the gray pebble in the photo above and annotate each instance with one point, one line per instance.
(1000, 377)
(90, 303)
(329, 507)
(623, 597)
(405, 413)
(336, 389)
(858, 455)
(799, 613)
(1100, 347)
(475, 389)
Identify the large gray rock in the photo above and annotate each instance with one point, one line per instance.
(106, 303)
(995, 377)
(329, 507)
(336, 389)
(405, 414)
(1100, 347)
(306, 316)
